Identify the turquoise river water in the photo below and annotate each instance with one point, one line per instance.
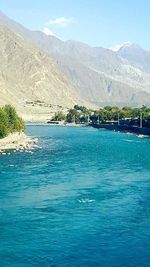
(81, 200)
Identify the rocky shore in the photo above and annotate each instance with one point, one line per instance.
(17, 142)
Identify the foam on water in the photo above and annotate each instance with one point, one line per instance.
(86, 200)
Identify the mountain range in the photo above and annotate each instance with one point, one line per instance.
(44, 69)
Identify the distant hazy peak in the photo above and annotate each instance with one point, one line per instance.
(118, 47)
(77, 43)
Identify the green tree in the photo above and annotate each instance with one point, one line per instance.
(73, 116)
(10, 121)
(59, 116)
(3, 130)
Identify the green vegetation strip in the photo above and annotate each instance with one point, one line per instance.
(10, 122)
(80, 114)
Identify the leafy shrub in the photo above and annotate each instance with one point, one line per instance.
(9, 121)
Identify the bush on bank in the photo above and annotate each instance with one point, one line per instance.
(10, 122)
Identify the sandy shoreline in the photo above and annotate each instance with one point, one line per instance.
(18, 142)
(22, 142)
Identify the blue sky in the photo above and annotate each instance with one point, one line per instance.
(96, 22)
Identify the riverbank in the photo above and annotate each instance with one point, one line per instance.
(17, 141)
(72, 124)
(145, 131)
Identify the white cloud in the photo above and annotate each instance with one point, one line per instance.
(62, 22)
(48, 32)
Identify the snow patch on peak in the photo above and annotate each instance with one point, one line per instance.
(116, 48)
(48, 32)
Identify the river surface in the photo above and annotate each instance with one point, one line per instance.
(81, 200)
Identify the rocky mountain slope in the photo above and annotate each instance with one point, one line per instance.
(30, 80)
(135, 55)
(98, 75)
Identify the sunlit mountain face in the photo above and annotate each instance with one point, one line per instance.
(119, 76)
